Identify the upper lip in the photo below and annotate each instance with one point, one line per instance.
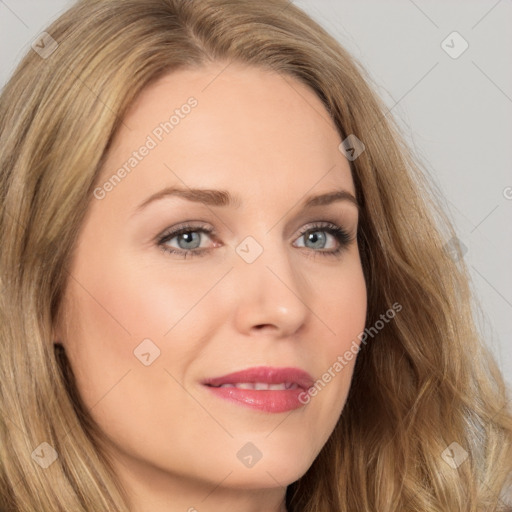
(265, 374)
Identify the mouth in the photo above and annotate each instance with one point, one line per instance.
(260, 386)
(268, 389)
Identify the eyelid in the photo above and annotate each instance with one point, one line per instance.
(185, 227)
(343, 236)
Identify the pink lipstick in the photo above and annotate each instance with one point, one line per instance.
(265, 388)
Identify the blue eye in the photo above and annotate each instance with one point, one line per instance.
(191, 240)
(316, 235)
(187, 240)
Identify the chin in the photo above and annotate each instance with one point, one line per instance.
(276, 471)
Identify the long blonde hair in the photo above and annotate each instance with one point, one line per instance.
(425, 382)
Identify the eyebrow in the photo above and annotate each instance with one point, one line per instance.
(213, 197)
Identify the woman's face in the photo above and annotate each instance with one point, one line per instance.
(261, 281)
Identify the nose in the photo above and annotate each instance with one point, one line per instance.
(270, 295)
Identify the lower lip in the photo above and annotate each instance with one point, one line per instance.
(264, 400)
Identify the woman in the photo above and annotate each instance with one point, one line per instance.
(225, 281)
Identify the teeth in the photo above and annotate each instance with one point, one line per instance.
(244, 385)
(261, 386)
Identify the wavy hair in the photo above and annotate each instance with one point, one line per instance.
(426, 381)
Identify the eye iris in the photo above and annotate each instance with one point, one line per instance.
(189, 238)
(316, 236)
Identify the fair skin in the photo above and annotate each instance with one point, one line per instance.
(173, 442)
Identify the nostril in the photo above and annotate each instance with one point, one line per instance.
(263, 326)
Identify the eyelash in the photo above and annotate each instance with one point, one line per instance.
(341, 236)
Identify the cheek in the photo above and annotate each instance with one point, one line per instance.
(124, 303)
(344, 306)
(117, 308)
(113, 311)
(151, 295)
(342, 310)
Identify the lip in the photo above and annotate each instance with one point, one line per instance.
(272, 401)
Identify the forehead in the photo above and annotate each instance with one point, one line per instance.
(205, 125)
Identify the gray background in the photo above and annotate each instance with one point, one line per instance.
(456, 113)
